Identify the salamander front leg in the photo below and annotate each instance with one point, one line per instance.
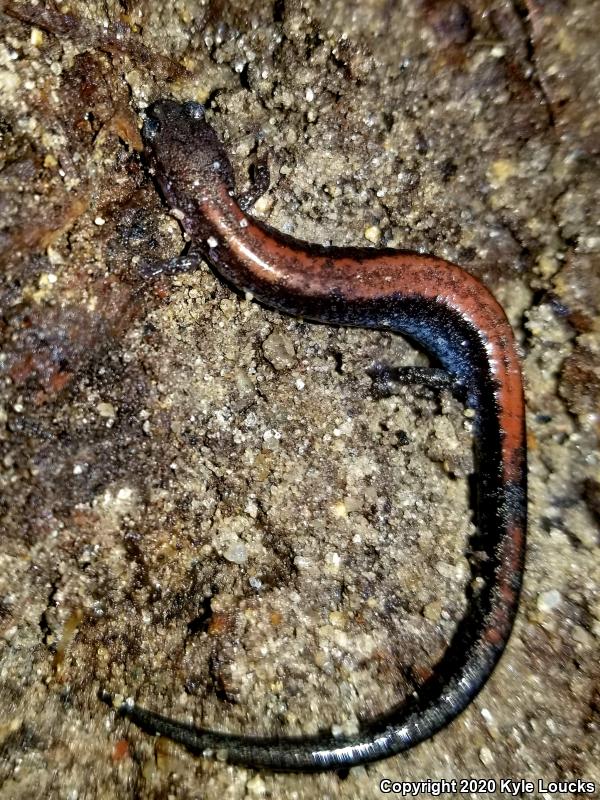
(186, 262)
(260, 177)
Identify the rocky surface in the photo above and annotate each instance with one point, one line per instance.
(205, 504)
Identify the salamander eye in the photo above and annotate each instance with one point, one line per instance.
(150, 129)
(194, 110)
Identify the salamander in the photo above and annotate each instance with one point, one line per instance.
(454, 318)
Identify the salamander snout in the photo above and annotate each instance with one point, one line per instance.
(187, 157)
(168, 115)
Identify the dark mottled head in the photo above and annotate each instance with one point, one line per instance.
(189, 160)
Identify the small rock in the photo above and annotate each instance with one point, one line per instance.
(501, 170)
(256, 786)
(106, 409)
(433, 611)
(279, 351)
(486, 756)
(332, 561)
(373, 233)
(339, 510)
(580, 523)
(582, 636)
(236, 552)
(548, 601)
(337, 618)
(36, 37)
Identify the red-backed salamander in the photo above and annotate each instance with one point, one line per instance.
(453, 317)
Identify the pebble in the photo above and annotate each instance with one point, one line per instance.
(256, 786)
(339, 510)
(373, 233)
(36, 37)
(548, 601)
(433, 611)
(106, 409)
(236, 552)
(486, 756)
(582, 636)
(279, 351)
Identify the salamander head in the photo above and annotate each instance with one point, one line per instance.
(189, 161)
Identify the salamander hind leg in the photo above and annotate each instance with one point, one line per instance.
(387, 380)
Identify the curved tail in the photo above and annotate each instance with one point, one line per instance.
(466, 665)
